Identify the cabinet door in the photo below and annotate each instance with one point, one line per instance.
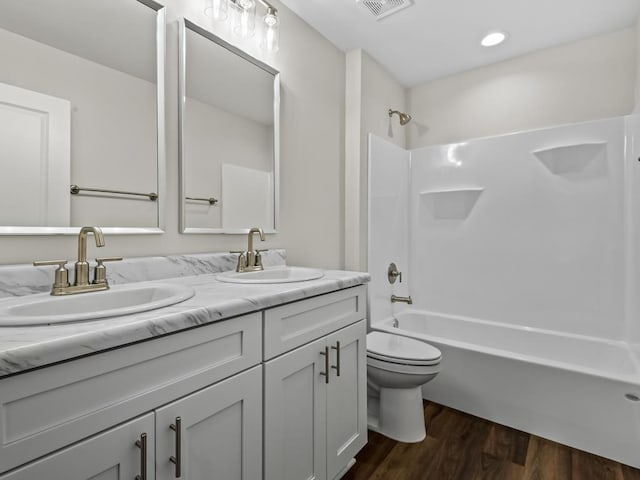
(213, 434)
(112, 455)
(346, 397)
(294, 409)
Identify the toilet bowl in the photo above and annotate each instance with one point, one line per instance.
(397, 367)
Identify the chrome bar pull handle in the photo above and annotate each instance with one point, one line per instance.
(142, 445)
(177, 459)
(326, 364)
(336, 367)
(75, 190)
(210, 200)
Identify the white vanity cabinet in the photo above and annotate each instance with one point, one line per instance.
(278, 395)
(215, 433)
(314, 419)
(209, 376)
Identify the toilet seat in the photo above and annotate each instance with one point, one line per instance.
(403, 368)
(397, 349)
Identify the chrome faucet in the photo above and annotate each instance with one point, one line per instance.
(81, 284)
(82, 266)
(251, 260)
(407, 300)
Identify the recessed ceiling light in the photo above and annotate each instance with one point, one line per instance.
(492, 39)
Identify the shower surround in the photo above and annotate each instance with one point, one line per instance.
(519, 252)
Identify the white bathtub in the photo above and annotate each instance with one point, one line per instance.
(568, 388)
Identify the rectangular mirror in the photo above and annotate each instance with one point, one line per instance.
(81, 116)
(229, 136)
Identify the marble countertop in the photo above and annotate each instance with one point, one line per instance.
(25, 348)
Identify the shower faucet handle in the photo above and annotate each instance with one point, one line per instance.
(393, 273)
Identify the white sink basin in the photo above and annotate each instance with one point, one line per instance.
(272, 275)
(45, 309)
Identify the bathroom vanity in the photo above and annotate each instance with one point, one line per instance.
(238, 382)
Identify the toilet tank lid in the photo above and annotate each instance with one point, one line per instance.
(396, 346)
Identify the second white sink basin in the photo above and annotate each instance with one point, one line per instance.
(272, 275)
(44, 309)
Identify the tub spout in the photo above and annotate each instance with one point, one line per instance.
(407, 300)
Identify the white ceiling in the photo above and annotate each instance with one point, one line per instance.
(436, 38)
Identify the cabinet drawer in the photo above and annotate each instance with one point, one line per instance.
(47, 409)
(289, 326)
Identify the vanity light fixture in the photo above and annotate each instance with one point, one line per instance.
(217, 9)
(244, 24)
(494, 38)
(271, 38)
(244, 20)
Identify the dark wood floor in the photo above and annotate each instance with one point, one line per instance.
(463, 447)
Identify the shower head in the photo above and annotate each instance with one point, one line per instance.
(404, 117)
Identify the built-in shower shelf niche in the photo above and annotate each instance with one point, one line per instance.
(451, 203)
(574, 159)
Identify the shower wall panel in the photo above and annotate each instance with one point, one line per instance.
(632, 222)
(388, 224)
(525, 229)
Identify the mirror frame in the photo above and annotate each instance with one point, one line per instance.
(185, 24)
(161, 149)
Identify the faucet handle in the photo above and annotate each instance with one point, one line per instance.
(46, 263)
(62, 274)
(108, 259)
(242, 260)
(100, 272)
(258, 257)
(393, 273)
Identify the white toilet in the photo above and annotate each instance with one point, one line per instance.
(397, 367)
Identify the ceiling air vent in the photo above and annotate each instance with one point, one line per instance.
(383, 8)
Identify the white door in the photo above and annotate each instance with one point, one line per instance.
(35, 156)
(346, 397)
(113, 455)
(294, 414)
(213, 434)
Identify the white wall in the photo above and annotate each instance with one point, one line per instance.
(580, 81)
(312, 152)
(371, 92)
